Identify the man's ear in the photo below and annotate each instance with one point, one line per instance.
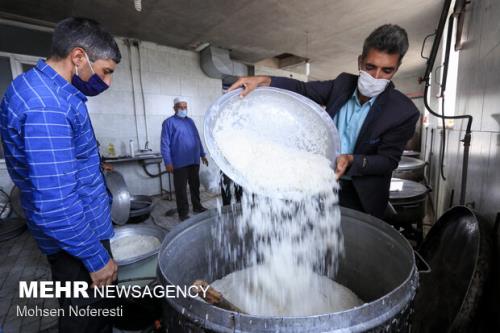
(77, 56)
(360, 61)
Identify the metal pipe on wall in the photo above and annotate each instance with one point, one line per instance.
(129, 50)
(430, 65)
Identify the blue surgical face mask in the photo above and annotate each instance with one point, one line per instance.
(94, 86)
(182, 113)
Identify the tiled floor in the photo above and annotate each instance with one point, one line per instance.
(22, 260)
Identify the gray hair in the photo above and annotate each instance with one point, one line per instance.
(389, 38)
(85, 33)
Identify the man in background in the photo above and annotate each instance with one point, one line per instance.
(182, 149)
(52, 157)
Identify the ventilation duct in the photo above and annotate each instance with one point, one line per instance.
(216, 63)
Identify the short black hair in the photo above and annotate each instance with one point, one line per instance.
(389, 38)
(85, 33)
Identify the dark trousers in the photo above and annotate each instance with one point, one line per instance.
(348, 197)
(225, 187)
(65, 267)
(183, 176)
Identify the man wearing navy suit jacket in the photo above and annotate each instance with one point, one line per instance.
(374, 120)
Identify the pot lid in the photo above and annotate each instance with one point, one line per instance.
(404, 189)
(410, 163)
(457, 250)
(120, 207)
(411, 153)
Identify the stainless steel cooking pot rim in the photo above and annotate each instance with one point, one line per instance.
(410, 163)
(139, 229)
(406, 288)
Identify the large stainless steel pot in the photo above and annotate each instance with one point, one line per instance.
(137, 230)
(409, 203)
(140, 205)
(410, 168)
(379, 266)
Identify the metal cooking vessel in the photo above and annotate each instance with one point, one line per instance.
(459, 249)
(411, 153)
(293, 121)
(15, 201)
(129, 230)
(379, 266)
(408, 203)
(140, 205)
(120, 207)
(410, 168)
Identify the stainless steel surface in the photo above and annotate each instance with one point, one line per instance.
(120, 207)
(5, 205)
(140, 205)
(15, 201)
(409, 204)
(459, 249)
(297, 114)
(379, 266)
(410, 168)
(134, 230)
(411, 190)
(411, 153)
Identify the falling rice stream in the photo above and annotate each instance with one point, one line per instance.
(289, 235)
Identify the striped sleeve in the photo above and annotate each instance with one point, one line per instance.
(54, 200)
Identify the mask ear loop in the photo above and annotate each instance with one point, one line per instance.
(86, 56)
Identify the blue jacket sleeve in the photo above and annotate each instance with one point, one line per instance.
(55, 205)
(165, 143)
(318, 91)
(202, 151)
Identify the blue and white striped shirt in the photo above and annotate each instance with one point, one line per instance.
(52, 156)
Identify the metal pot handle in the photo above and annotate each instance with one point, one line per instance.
(427, 269)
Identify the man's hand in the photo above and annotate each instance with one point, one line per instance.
(249, 83)
(106, 275)
(343, 163)
(170, 168)
(107, 166)
(204, 160)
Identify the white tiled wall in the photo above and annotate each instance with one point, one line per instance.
(166, 73)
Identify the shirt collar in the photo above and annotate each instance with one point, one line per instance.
(356, 99)
(59, 80)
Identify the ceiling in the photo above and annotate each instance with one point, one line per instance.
(328, 32)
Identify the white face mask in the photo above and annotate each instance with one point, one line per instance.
(369, 86)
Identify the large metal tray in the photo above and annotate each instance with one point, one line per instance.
(296, 121)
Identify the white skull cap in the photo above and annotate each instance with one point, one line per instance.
(178, 100)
